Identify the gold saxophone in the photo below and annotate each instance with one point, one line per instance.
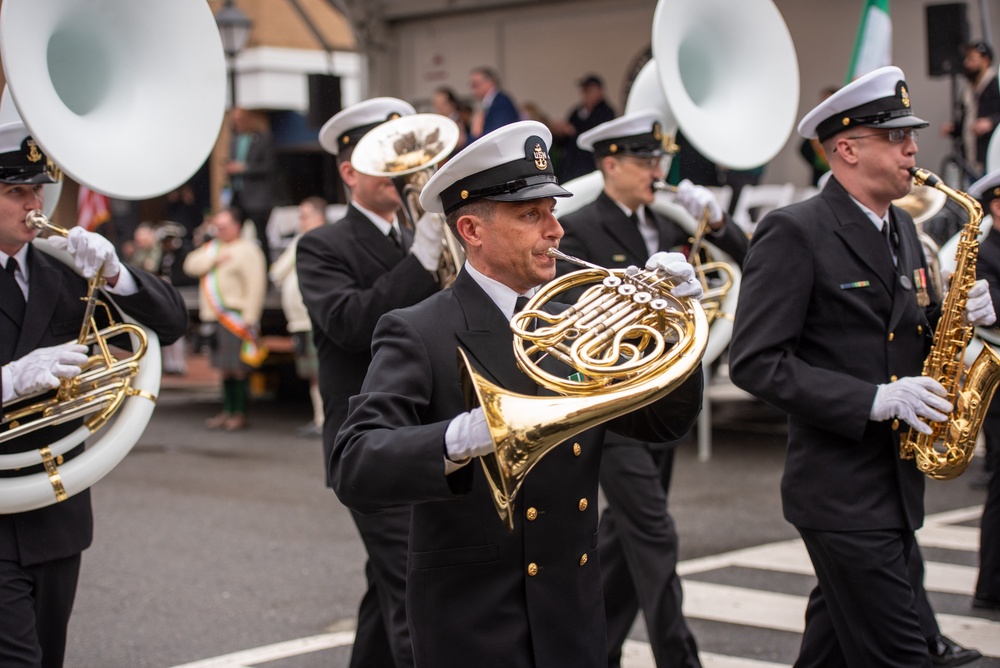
(945, 453)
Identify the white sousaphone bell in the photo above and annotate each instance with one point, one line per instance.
(727, 75)
(127, 98)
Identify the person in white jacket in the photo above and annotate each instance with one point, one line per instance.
(311, 215)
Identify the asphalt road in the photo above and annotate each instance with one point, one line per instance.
(208, 543)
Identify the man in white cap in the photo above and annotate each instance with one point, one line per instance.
(987, 191)
(478, 594)
(41, 311)
(834, 323)
(638, 537)
(350, 273)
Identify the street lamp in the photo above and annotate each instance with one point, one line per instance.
(234, 28)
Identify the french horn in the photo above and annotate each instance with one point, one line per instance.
(630, 342)
(106, 93)
(407, 150)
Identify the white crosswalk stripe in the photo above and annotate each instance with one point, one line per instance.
(741, 606)
(784, 612)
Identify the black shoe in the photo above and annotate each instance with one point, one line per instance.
(985, 603)
(946, 652)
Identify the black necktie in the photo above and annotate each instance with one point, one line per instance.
(520, 303)
(12, 293)
(635, 236)
(887, 233)
(394, 235)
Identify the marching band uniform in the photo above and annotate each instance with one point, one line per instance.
(826, 329)
(40, 550)
(638, 538)
(350, 273)
(477, 593)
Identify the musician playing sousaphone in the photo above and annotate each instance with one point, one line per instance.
(638, 538)
(480, 593)
(41, 312)
(833, 326)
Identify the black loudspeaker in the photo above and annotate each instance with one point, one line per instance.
(324, 98)
(947, 36)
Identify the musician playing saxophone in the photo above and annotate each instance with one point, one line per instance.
(477, 593)
(41, 311)
(834, 322)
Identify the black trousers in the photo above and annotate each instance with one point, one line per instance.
(639, 552)
(863, 613)
(988, 585)
(383, 638)
(35, 605)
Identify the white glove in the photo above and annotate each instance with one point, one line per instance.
(696, 199)
(911, 398)
(677, 269)
(89, 251)
(467, 436)
(428, 240)
(979, 306)
(42, 368)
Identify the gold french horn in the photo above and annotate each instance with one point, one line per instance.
(630, 341)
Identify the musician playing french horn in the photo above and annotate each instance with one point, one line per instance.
(350, 273)
(41, 311)
(479, 594)
(638, 538)
(834, 323)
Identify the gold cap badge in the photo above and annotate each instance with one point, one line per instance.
(541, 160)
(34, 155)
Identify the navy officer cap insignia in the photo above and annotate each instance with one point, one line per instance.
(510, 164)
(22, 159)
(639, 133)
(346, 127)
(879, 99)
(987, 188)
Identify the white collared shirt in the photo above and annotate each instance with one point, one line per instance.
(378, 221)
(502, 296)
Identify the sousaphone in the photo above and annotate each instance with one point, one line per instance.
(127, 98)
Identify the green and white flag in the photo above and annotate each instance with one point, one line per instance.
(873, 45)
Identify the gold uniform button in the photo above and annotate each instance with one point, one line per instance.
(577, 449)
(531, 514)
(895, 425)
(892, 335)
(893, 378)
(532, 569)
(583, 559)
(920, 329)
(583, 505)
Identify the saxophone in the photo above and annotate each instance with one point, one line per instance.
(945, 453)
